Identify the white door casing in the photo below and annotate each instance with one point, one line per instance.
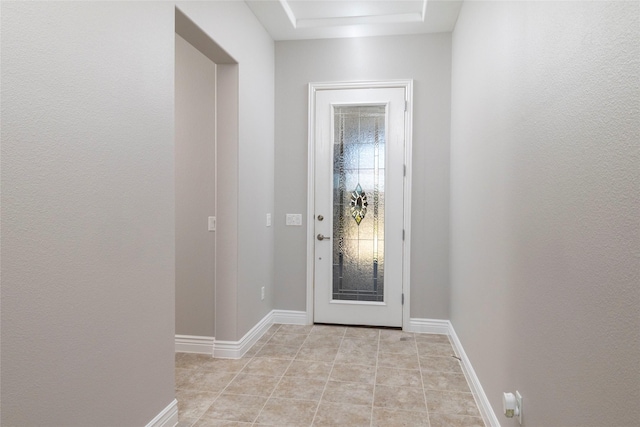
(323, 306)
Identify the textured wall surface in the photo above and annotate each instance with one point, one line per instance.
(87, 213)
(427, 60)
(232, 25)
(195, 110)
(545, 196)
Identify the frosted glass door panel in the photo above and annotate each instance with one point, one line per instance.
(358, 202)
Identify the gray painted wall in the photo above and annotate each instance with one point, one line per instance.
(227, 204)
(427, 60)
(545, 196)
(195, 110)
(87, 213)
(236, 30)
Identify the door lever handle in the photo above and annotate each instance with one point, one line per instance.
(321, 237)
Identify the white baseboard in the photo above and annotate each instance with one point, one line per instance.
(486, 411)
(428, 326)
(194, 344)
(289, 317)
(444, 327)
(237, 349)
(168, 417)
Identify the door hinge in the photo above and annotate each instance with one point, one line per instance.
(403, 299)
(403, 235)
(405, 105)
(404, 170)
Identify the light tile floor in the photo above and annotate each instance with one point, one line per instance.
(328, 376)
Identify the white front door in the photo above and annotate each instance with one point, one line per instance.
(359, 206)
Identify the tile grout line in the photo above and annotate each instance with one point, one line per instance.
(214, 400)
(457, 356)
(424, 391)
(255, 420)
(197, 419)
(343, 339)
(445, 391)
(229, 383)
(333, 364)
(375, 380)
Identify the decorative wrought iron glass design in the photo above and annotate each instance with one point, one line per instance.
(358, 202)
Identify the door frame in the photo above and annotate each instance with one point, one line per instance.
(407, 85)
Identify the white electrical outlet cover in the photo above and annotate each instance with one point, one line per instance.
(294, 219)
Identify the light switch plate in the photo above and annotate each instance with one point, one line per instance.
(268, 220)
(212, 223)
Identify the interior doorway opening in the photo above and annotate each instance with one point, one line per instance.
(206, 178)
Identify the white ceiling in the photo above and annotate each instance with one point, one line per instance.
(312, 19)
